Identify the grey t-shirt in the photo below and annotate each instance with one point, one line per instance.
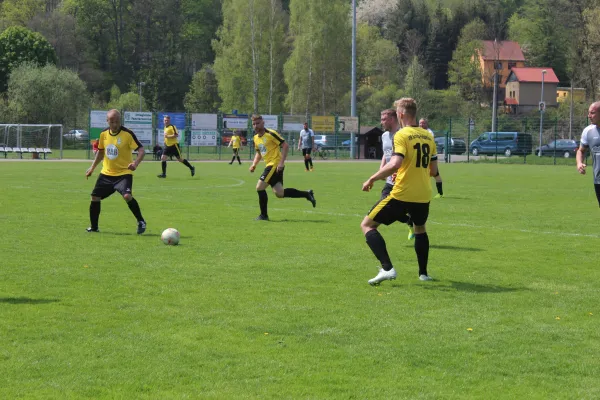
(306, 138)
(591, 138)
(387, 142)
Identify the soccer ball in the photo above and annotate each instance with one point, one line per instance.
(170, 236)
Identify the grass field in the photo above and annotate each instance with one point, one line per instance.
(282, 309)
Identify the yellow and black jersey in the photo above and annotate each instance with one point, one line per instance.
(418, 148)
(117, 151)
(235, 142)
(268, 145)
(171, 130)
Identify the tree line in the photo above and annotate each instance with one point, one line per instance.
(274, 56)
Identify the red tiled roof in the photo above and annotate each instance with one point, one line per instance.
(503, 51)
(511, 101)
(527, 74)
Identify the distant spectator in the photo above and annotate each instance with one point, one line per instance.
(95, 146)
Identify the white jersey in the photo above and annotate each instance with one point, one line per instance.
(307, 138)
(387, 143)
(591, 137)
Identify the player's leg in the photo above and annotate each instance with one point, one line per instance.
(381, 213)
(306, 156)
(597, 189)
(124, 186)
(184, 161)
(277, 186)
(419, 213)
(310, 162)
(233, 158)
(438, 185)
(102, 190)
(261, 189)
(163, 159)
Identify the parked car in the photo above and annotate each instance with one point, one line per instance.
(507, 143)
(457, 145)
(322, 141)
(77, 134)
(562, 148)
(346, 143)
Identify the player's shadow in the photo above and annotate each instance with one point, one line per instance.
(446, 247)
(26, 300)
(131, 234)
(473, 288)
(310, 221)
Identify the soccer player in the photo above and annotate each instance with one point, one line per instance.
(172, 148)
(114, 150)
(423, 123)
(414, 159)
(267, 143)
(389, 122)
(307, 143)
(590, 139)
(235, 143)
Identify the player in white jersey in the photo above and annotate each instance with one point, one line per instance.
(590, 140)
(423, 123)
(389, 122)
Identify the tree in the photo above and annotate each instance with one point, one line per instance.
(18, 45)
(416, 82)
(464, 71)
(317, 72)
(20, 12)
(204, 92)
(43, 95)
(378, 58)
(249, 55)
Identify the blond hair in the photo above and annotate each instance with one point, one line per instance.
(256, 116)
(407, 105)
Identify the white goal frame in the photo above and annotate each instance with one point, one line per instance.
(13, 139)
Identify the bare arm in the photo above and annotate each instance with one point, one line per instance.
(284, 152)
(97, 159)
(433, 168)
(140, 156)
(382, 162)
(299, 142)
(257, 158)
(580, 157)
(391, 167)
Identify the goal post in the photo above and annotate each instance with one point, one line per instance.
(36, 140)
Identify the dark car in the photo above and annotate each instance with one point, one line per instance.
(457, 145)
(507, 143)
(561, 148)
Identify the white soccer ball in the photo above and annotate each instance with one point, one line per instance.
(170, 236)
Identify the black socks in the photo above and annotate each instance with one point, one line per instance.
(422, 250)
(263, 199)
(94, 214)
(377, 245)
(135, 209)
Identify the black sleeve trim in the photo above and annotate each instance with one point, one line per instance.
(276, 136)
(134, 137)
(398, 154)
(434, 158)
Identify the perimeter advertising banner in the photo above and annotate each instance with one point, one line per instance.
(271, 121)
(97, 123)
(235, 121)
(204, 130)
(293, 122)
(141, 124)
(348, 124)
(177, 119)
(323, 124)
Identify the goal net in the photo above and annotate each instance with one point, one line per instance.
(31, 140)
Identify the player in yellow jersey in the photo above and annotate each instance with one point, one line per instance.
(235, 143)
(172, 148)
(414, 159)
(267, 143)
(114, 150)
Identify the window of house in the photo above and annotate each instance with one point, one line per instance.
(511, 64)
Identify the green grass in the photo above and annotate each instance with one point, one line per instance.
(282, 309)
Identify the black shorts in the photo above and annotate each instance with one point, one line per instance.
(172, 151)
(385, 192)
(236, 151)
(107, 185)
(390, 210)
(271, 176)
(306, 151)
(597, 188)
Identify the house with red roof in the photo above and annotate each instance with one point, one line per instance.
(524, 89)
(501, 56)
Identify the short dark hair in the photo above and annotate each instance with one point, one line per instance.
(391, 112)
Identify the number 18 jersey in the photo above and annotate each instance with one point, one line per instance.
(417, 147)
